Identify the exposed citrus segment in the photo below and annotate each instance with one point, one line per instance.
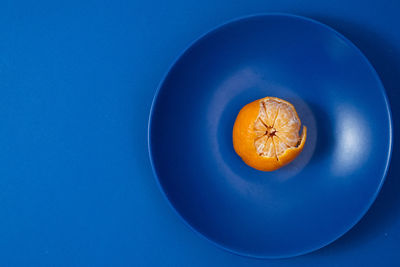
(265, 146)
(268, 111)
(290, 138)
(266, 134)
(280, 146)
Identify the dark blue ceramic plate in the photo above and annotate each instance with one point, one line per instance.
(305, 205)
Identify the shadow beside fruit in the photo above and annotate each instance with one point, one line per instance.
(325, 137)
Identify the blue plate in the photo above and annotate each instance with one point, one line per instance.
(319, 196)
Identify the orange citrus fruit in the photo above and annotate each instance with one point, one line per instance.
(266, 134)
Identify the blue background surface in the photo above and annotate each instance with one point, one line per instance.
(76, 84)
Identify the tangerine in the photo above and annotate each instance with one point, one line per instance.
(266, 134)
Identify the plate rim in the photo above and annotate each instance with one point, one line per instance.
(248, 17)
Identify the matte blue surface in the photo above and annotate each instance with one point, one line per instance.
(76, 83)
(316, 198)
